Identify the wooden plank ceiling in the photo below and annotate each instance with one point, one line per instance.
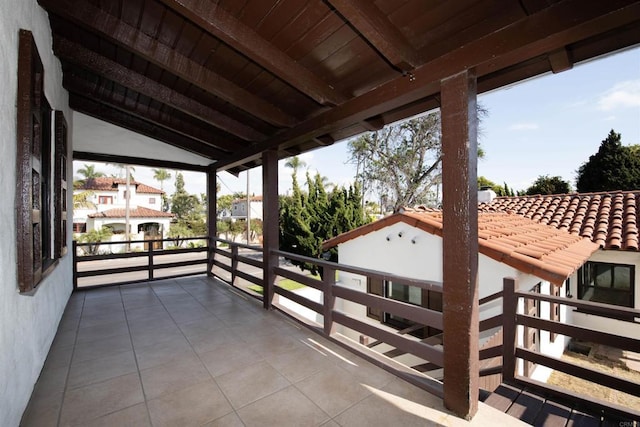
(227, 79)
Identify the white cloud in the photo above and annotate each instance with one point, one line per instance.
(622, 95)
(524, 126)
(609, 118)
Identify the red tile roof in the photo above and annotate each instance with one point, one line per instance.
(522, 243)
(111, 184)
(139, 212)
(608, 219)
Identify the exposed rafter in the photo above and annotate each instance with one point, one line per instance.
(375, 27)
(106, 25)
(127, 121)
(129, 160)
(560, 60)
(537, 34)
(76, 54)
(164, 119)
(225, 27)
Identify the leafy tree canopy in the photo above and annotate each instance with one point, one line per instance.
(402, 162)
(500, 190)
(546, 184)
(309, 218)
(613, 167)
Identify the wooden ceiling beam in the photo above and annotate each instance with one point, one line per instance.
(108, 26)
(560, 60)
(557, 26)
(77, 54)
(134, 124)
(164, 119)
(379, 32)
(223, 26)
(138, 161)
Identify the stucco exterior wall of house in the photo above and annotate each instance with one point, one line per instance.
(28, 323)
(410, 252)
(599, 323)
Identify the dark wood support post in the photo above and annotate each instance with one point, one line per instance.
(270, 227)
(460, 243)
(328, 280)
(74, 248)
(150, 256)
(212, 216)
(234, 262)
(509, 311)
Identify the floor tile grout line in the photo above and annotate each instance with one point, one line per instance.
(194, 351)
(135, 358)
(75, 342)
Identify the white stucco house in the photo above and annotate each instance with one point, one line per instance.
(108, 196)
(540, 256)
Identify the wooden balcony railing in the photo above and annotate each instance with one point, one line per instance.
(127, 266)
(512, 352)
(498, 356)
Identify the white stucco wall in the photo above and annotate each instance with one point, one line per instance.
(410, 252)
(27, 323)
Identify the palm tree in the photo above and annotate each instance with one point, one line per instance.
(82, 200)
(295, 163)
(89, 172)
(161, 175)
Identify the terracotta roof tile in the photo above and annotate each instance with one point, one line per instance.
(519, 242)
(111, 184)
(139, 212)
(609, 219)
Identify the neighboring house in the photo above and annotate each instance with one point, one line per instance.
(109, 199)
(611, 275)
(512, 243)
(239, 208)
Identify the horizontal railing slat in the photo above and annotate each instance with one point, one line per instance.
(248, 277)
(490, 323)
(300, 278)
(572, 369)
(411, 312)
(251, 261)
(624, 343)
(424, 351)
(306, 302)
(491, 352)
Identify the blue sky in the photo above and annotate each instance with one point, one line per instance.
(548, 125)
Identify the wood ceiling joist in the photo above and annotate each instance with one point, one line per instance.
(560, 60)
(222, 25)
(550, 29)
(138, 161)
(75, 53)
(376, 28)
(127, 121)
(150, 113)
(96, 20)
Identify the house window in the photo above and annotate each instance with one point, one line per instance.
(416, 296)
(607, 283)
(79, 227)
(41, 172)
(105, 200)
(152, 200)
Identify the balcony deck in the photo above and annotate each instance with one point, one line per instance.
(192, 351)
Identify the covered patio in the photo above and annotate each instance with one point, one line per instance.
(231, 85)
(193, 351)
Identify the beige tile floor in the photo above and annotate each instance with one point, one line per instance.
(192, 352)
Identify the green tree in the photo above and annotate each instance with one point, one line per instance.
(546, 184)
(613, 167)
(178, 232)
(500, 190)
(309, 218)
(183, 203)
(295, 163)
(162, 175)
(94, 238)
(402, 161)
(88, 172)
(82, 200)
